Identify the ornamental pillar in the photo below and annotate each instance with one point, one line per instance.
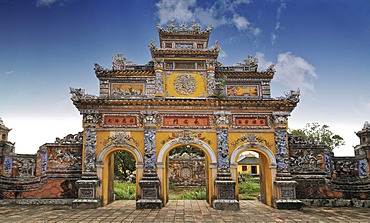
(88, 193)
(285, 186)
(159, 78)
(224, 184)
(149, 183)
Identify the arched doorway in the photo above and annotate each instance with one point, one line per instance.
(267, 171)
(105, 170)
(210, 165)
(186, 174)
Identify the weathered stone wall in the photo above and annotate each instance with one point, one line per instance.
(326, 180)
(49, 174)
(187, 170)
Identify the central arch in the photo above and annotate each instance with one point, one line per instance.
(267, 169)
(211, 164)
(104, 190)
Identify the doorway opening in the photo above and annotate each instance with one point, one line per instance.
(124, 176)
(248, 176)
(120, 173)
(255, 173)
(187, 178)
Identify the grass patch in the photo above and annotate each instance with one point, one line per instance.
(248, 188)
(124, 190)
(189, 193)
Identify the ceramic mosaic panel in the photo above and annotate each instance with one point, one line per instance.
(8, 166)
(242, 90)
(126, 89)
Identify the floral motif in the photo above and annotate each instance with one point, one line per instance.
(252, 139)
(120, 139)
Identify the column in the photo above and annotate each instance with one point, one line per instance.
(149, 183)
(284, 185)
(88, 194)
(224, 184)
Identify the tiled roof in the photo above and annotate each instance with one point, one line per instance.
(118, 73)
(249, 161)
(243, 74)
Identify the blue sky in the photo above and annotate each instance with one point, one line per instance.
(46, 46)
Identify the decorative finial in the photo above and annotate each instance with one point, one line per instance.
(152, 45)
(1, 121)
(366, 126)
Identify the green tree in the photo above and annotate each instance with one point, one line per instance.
(187, 149)
(319, 134)
(124, 164)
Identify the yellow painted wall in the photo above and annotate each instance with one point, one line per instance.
(249, 169)
(200, 85)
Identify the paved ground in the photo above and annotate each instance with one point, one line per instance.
(179, 211)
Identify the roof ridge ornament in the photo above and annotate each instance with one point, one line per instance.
(366, 126)
(215, 48)
(292, 96)
(78, 93)
(195, 28)
(118, 62)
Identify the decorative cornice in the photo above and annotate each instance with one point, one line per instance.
(284, 105)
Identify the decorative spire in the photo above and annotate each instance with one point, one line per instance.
(1, 122)
(119, 62)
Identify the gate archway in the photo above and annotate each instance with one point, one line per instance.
(105, 169)
(211, 165)
(267, 165)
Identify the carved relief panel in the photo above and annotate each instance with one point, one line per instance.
(185, 85)
(242, 90)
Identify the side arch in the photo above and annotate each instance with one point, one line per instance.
(106, 150)
(267, 165)
(266, 151)
(105, 188)
(179, 141)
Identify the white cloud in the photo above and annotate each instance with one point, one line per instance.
(263, 63)
(256, 31)
(8, 73)
(279, 11)
(273, 38)
(294, 71)
(222, 54)
(240, 22)
(291, 71)
(209, 17)
(222, 12)
(179, 10)
(41, 3)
